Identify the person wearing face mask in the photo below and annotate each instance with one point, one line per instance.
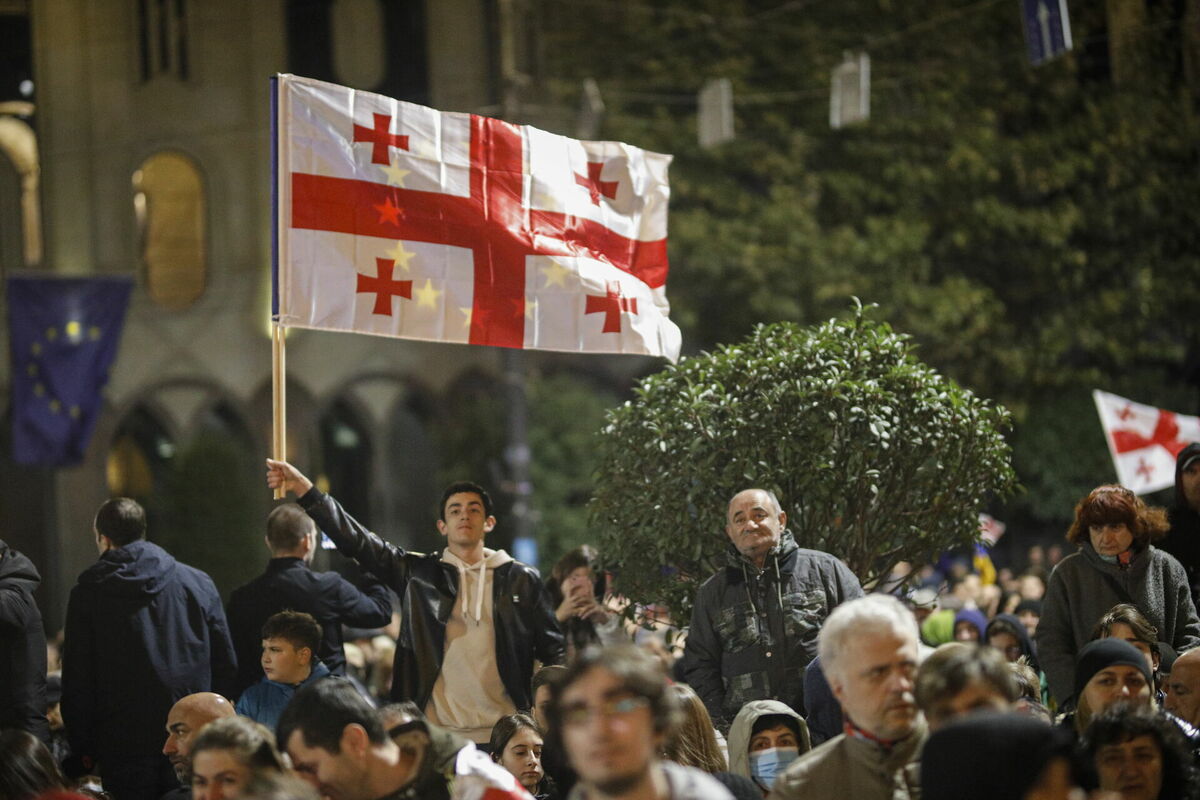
(1116, 563)
(766, 736)
(692, 742)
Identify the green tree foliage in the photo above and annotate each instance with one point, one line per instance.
(875, 456)
(1034, 229)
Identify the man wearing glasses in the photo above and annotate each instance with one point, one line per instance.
(614, 711)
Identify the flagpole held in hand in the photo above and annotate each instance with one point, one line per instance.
(278, 400)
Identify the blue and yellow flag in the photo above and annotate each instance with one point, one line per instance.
(63, 336)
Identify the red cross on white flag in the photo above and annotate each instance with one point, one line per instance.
(1144, 440)
(398, 220)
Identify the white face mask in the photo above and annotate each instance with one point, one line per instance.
(767, 765)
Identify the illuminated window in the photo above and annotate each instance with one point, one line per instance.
(140, 456)
(168, 201)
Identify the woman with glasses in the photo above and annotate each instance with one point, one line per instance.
(1116, 563)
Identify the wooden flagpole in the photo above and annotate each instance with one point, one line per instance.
(278, 399)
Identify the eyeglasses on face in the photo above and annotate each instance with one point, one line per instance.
(579, 714)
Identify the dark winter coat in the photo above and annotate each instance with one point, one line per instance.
(1084, 587)
(142, 631)
(523, 620)
(1183, 539)
(22, 647)
(753, 631)
(290, 584)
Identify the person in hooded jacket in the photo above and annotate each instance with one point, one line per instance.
(1116, 563)
(142, 631)
(474, 620)
(755, 623)
(22, 647)
(765, 737)
(1183, 537)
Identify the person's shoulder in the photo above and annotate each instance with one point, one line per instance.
(689, 783)
(818, 557)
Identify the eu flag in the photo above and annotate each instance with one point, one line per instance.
(63, 335)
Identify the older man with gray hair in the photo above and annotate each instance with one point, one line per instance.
(754, 624)
(868, 650)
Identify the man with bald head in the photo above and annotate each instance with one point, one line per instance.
(1183, 688)
(184, 721)
(755, 622)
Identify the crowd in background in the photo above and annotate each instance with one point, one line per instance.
(438, 675)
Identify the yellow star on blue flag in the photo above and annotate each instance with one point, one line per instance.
(63, 337)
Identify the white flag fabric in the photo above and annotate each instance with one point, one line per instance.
(1144, 440)
(398, 220)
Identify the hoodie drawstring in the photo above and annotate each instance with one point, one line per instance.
(479, 590)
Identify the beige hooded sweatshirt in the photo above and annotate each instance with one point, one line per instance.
(468, 696)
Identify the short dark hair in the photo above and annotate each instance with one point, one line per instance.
(322, 710)
(296, 628)
(1127, 614)
(287, 527)
(1112, 504)
(1123, 721)
(251, 743)
(637, 671)
(955, 666)
(505, 728)
(768, 722)
(545, 676)
(459, 487)
(122, 520)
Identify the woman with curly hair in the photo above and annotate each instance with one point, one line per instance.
(1116, 563)
(1139, 754)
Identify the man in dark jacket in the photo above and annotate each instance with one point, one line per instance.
(755, 622)
(290, 584)
(473, 620)
(1183, 539)
(142, 631)
(22, 647)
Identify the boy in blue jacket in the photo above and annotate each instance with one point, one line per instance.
(289, 644)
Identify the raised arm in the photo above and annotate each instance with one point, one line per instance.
(384, 560)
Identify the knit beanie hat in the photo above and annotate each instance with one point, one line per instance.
(987, 756)
(1104, 653)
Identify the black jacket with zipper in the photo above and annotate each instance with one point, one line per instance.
(523, 620)
(753, 631)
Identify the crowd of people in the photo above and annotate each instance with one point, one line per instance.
(462, 674)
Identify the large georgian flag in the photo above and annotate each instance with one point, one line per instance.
(1144, 440)
(398, 220)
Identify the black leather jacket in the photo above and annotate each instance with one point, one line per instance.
(524, 622)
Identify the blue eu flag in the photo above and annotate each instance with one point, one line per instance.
(63, 335)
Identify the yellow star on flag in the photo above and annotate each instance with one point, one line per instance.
(530, 308)
(466, 316)
(74, 330)
(400, 255)
(395, 175)
(555, 274)
(427, 296)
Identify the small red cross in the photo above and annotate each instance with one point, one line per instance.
(380, 138)
(384, 287)
(1166, 434)
(594, 185)
(611, 304)
(1125, 413)
(1144, 469)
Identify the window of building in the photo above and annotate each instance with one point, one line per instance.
(168, 202)
(162, 37)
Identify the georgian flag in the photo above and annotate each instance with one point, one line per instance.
(1144, 441)
(398, 220)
